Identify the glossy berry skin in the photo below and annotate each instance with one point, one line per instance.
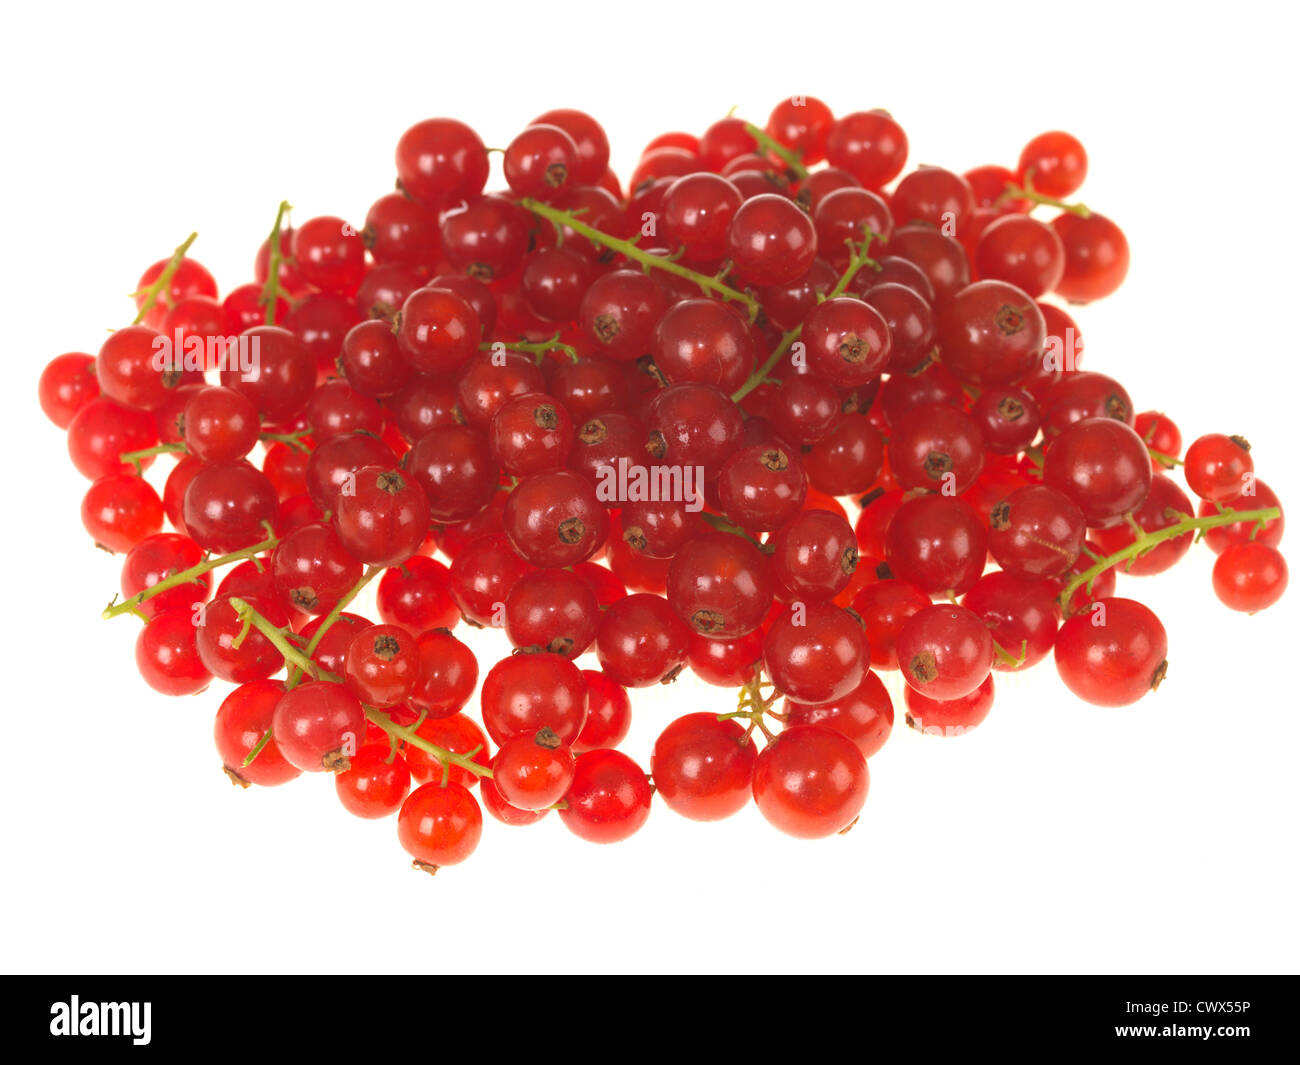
(609, 713)
(371, 360)
(1163, 507)
(1112, 653)
(945, 652)
(417, 596)
(454, 467)
(1096, 256)
(554, 280)
(154, 559)
(937, 543)
(658, 528)
(382, 665)
(118, 511)
(847, 341)
(102, 430)
(693, 425)
(1081, 395)
(219, 627)
(641, 641)
(439, 826)
(555, 519)
(243, 719)
(933, 195)
(720, 585)
(1161, 434)
(870, 145)
(533, 771)
(497, 806)
(1250, 577)
(703, 768)
(1008, 419)
(1218, 467)
(481, 576)
(990, 333)
(771, 241)
(447, 677)
(619, 313)
(384, 520)
(167, 656)
(726, 663)
(441, 160)
(813, 556)
(226, 505)
(128, 368)
(846, 216)
(705, 341)
(67, 384)
(526, 692)
(280, 379)
(848, 460)
(1054, 164)
(811, 782)
(865, 715)
(697, 213)
(588, 137)
(330, 254)
(437, 331)
(815, 652)
(884, 607)
(1022, 616)
(552, 609)
(313, 569)
(1262, 497)
(951, 717)
(540, 162)
(220, 424)
(373, 786)
(762, 487)
(910, 320)
(191, 278)
(936, 447)
(318, 726)
(531, 433)
(1102, 465)
(1036, 532)
(609, 799)
(1021, 251)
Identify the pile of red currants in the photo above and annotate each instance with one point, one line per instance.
(632, 422)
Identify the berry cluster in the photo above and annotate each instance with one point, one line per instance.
(627, 421)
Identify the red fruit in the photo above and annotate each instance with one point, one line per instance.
(865, 715)
(318, 726)
(811, 782)
(703, 768)
(533, 771)
(609, 799)
(243, 719)
(1112, 653)
(1250, 577)
(439, 825)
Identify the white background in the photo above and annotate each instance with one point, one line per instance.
(1058, 837)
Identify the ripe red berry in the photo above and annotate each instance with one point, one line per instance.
(771, 241)
(815, 652)
(811, 782)
(1218, 467)
(384, 519)
(243, 719)
(1054, 164)
(865, 715)
(945, 652)
(439, 825)
(703, 768)
(318, 727)
(1112, 653)
(533, 771)
(1250, 577)
(609, 799)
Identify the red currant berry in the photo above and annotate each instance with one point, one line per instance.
(1102, 465)
(1096, 256)
(441, 160)
(641, 641)
(167, 655)
(811, 782)
(243, 720)
(1112, 653)
(318, 726)
(703, 768)
(533, 771)
(1250, 577)
(439, 825)
(1054, 164)
(945, 651)
(720, 585)
(865, 715)
(1218, 467)
(937, 543)
(609, 799)
(375, 784)
(948, 717)
(447, 677)
(118, 511)
(815, 652)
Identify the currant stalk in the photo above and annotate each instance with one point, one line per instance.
(292, 654)
(409, 735)
(135, 457)
(271, 292)
(536, 348)
(1026, 192)
(163, 280)
(370, 574)
(775, 147)
(185, 576)
(1147, 540)
(629, 250)
(859, 259)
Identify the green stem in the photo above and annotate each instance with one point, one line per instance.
(723, 525)
(1148, 540)
(537, 348)
(1167, 461)
(185, 576)
(629, 250)
(370, 574)
(271, 291)
(409, 735)
(859, 259)
(135, 457)
(770, 144)
(152, 293)
(292, 654)
(293, 440)
(1026, 192)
